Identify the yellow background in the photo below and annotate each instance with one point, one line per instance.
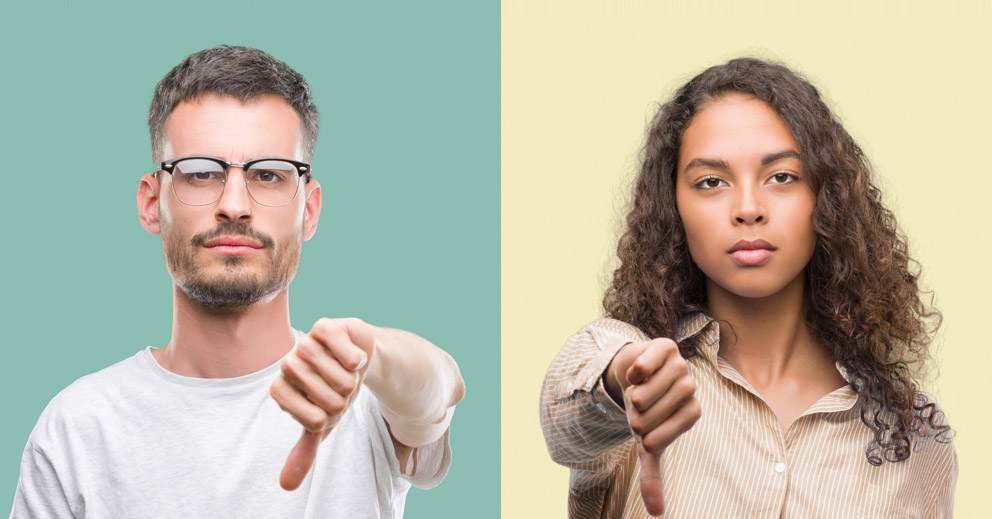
(580, 80)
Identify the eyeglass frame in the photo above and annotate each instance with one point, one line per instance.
(302, 168)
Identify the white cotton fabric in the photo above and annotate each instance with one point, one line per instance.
(137, 441)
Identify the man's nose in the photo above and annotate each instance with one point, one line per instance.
(235, 202)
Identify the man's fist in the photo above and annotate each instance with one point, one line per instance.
(320, 378)
(658, 395)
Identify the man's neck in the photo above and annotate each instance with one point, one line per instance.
(207, 344)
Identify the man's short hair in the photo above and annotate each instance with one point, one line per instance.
(240, 72)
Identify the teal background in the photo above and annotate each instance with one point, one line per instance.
(408, 157)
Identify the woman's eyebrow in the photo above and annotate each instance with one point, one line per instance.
(768, 159)
(719, 164)
(710, 163)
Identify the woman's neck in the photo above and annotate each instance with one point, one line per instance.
(767, 339)
(768, 342)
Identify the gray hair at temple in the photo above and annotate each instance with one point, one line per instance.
(240, 72)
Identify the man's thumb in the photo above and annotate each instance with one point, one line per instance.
(650, 480)
(300, 460)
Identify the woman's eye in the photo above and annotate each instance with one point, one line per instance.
(710, 183)
(783, 178)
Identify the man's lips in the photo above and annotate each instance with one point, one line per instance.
(232, 245)
(750, 253)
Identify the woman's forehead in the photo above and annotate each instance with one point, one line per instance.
(735, 128)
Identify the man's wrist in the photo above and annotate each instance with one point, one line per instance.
(415, 434)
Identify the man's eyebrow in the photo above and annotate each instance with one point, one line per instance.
(709, 163)
(768, 159)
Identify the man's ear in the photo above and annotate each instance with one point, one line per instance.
(148, 193)
(311, 209)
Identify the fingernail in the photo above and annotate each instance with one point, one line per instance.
(361, 364)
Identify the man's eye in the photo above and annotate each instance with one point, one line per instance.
(267, 176)
(201, 177)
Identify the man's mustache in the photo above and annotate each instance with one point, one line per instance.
(231, 229)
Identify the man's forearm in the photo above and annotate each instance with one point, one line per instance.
(416, 383)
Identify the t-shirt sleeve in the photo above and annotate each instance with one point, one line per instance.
(428, 464)
(39, 491)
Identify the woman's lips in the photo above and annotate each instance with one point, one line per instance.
(751, 252)
(751, 257)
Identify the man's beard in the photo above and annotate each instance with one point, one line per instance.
(231, 290)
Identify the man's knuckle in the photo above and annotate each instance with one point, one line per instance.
(351, 361)
(324, 322)
(352, 321)
(336, 406)
(287, 366)
(315, 420)
(308, 350)
(324, 326)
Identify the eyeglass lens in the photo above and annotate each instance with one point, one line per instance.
(201, 181)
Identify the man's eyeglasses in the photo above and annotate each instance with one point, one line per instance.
(201, 180)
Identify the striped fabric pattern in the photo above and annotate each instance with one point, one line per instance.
(736, 461)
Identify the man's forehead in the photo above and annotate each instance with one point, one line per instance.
(210, 124)
(218, 103)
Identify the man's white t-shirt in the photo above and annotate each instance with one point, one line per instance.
(136, 440)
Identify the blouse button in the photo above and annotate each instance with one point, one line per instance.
(780, 467)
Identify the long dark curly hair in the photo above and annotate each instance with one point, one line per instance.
(862, 298)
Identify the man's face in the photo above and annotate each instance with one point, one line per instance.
(234, 252)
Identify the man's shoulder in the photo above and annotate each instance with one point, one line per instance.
(79, 404)
(101, 383)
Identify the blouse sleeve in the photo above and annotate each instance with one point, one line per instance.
(583, 427)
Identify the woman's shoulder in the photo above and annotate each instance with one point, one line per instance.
(936, 437)
(930, 440)
(611, 331)
(613, 328)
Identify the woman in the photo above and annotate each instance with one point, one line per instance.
(764, 333)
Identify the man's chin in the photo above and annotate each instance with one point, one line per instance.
(228, 292)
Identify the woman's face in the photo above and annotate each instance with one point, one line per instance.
(744, 199)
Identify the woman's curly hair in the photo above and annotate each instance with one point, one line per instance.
(861, 294)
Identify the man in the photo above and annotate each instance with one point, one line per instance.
(204, 426)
